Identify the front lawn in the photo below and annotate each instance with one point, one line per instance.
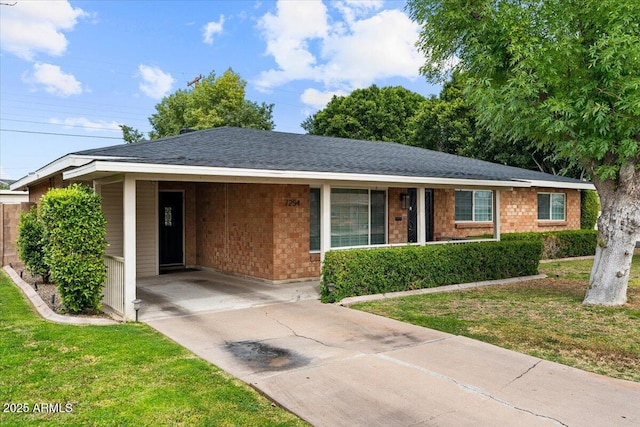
(113, 376)
(543, 318)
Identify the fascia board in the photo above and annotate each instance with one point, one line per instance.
(65, 162)
(568, 185)
(200, 173)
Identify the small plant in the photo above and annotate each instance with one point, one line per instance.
(74, 236)
(30, 244)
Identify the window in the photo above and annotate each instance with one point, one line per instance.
(474, 205)
(551, 206)
(314, 219)
(358, 217)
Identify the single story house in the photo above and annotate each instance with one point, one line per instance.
(270, 204)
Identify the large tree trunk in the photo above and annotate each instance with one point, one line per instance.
(619, 229)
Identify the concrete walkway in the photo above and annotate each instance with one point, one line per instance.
(334, 366)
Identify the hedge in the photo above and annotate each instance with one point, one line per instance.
(561, 244)
(74, 243)
(373, 271)
(30, 244)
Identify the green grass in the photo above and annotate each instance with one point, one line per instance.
(119, 375)
(544, 318)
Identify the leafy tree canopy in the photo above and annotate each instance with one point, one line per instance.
(563, 73)
(449, 123)
(377, 114)
(213, 102)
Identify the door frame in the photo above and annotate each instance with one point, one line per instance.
(412, 215)
(159, 218)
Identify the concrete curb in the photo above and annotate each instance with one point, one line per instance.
(43, 309)
(364, 298)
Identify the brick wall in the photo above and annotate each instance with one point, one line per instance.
(518, 213)
(397, 231)
(39, 190)
(258, 230)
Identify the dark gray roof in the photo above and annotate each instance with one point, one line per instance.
(231, 147)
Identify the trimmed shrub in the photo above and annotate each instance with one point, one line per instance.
(74, 235)
(30, 244)
(561, 244)
(373, 271)
(589, 209)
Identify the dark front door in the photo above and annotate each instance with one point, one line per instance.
(412, 215)
(171, 228)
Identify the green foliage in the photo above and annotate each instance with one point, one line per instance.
(213, 102)
(563, 74)
(131, 135)
(560, 244)
(30, 243)
(372, 114)
(373, 271)
(450, 124)
(589, 209)
(74, 232)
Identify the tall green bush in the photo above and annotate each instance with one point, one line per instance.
(373, 271)
(589, 209)
(30, 244)
(74, 235)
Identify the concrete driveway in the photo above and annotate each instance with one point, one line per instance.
(334, 366)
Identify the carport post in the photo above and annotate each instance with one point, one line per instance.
(422, 216)
(496, 215)
(325, 219)
(129, 243)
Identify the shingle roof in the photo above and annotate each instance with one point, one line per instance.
(231, 147)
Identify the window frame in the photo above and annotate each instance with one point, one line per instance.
(370, 221)
(550, 212)
(473, 207)
(318, 222)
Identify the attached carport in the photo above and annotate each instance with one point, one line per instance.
(190, 292)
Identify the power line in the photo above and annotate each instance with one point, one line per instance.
(60, 134)
(62, 124)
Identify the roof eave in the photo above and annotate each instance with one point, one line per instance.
(69, 161)
(98, 169)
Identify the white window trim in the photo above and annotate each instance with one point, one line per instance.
(473, 210)
(564, 213)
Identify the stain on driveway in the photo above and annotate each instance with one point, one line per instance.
(264, 357)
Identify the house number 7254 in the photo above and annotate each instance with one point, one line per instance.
(292, 202)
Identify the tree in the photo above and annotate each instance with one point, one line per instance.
(371, 113)
(449, 123)
(563, 73)
(213, 102)
(131, 135)
(30, 244)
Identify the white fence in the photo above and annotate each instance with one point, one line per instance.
(114, 285)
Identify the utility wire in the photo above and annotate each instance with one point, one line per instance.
(60, 134)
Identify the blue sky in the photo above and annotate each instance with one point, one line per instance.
(84, 67)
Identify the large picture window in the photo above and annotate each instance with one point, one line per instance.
(474, 205)
(551, 206)
(358, 217)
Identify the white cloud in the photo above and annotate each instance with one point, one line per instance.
(349, 46)
(155, 82)
(30, 27)
(86, 124)
(212, 28)
(54, 80)
(318, 99)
